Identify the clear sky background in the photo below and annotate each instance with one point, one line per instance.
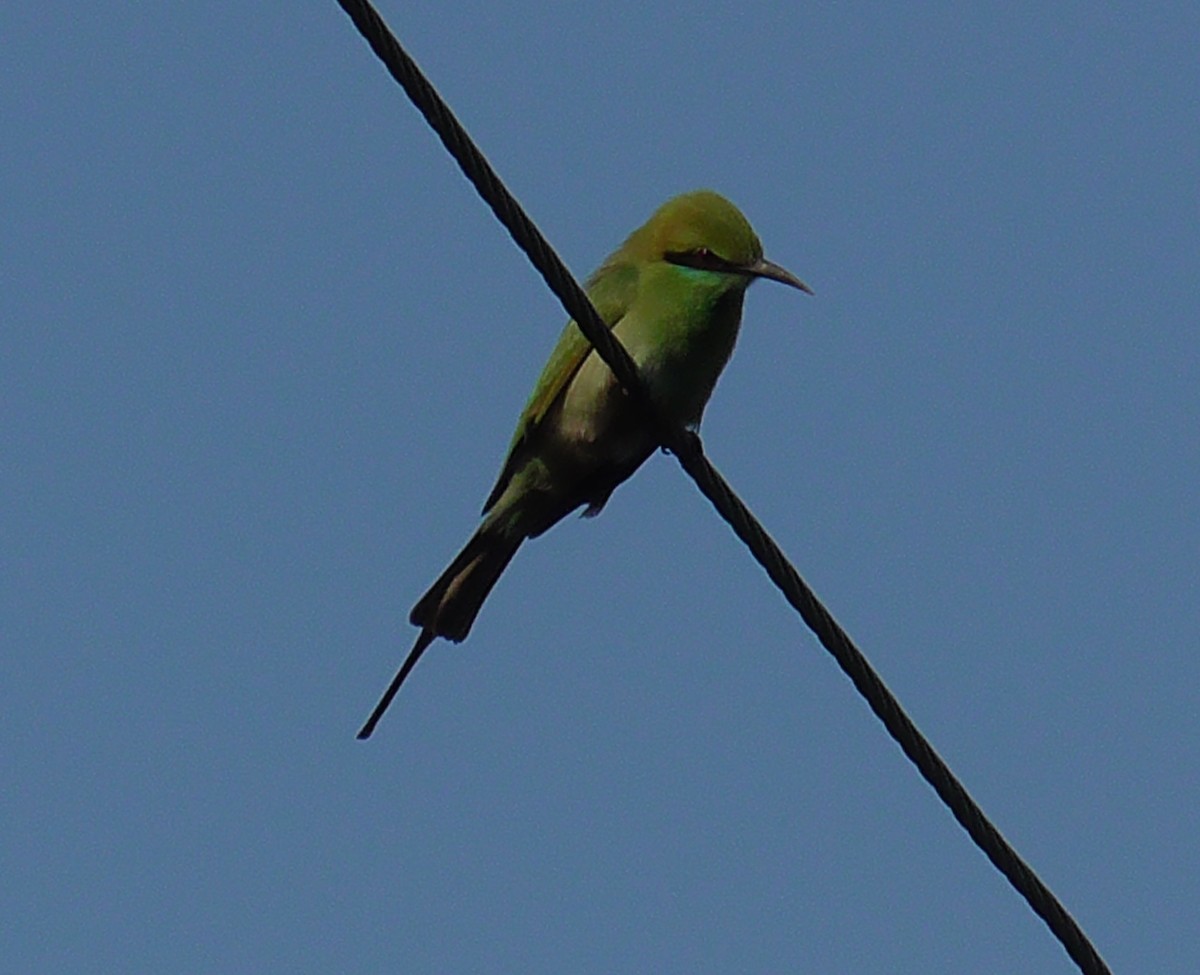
(262, 348)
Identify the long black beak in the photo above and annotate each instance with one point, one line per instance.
(762, 268)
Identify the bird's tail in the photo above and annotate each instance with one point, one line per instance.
(424, 638)
(450, 606)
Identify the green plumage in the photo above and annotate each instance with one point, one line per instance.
(672, 294)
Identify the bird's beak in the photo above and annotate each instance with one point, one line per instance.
(762, 268)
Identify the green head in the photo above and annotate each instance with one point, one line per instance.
(704, 231)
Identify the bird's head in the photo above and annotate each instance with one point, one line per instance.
(705, 232)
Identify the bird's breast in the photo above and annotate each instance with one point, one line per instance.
(679, 349)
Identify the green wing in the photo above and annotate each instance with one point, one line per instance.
(611, 289)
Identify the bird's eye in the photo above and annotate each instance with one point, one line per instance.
(703, 252)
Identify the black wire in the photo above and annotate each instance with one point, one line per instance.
(687, 448)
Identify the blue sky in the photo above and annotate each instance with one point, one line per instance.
(262, 349)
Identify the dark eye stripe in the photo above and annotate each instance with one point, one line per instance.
(701, 258)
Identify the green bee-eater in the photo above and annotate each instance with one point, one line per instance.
(672, 293)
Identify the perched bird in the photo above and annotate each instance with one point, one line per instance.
(672, 294)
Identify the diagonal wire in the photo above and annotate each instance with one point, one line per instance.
(688, 450)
